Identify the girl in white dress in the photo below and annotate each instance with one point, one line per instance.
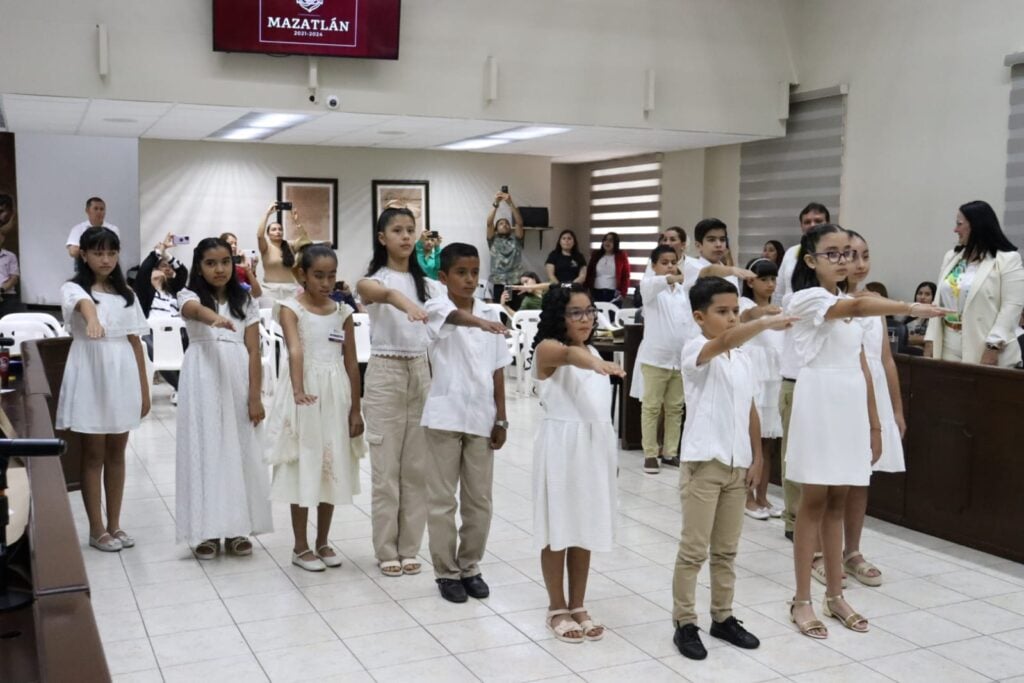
(222, 485)
(575, 457)
(104, 394)
(315, 417)
(834, 431)
(764, 352)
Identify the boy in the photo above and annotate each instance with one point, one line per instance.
(712, 241)
(465, 421)
(667, 326)
(721, 460)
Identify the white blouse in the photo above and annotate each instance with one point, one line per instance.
(391, 333)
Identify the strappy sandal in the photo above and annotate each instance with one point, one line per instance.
(851, 622)
(411, 565)
(862, 570)
(333, 560)
(110, 545)
(818, 570)
(207, 550)
(807, 627)
(239, 545)
(563, 627)
(589, 625)
(392, 568)
(126, 540)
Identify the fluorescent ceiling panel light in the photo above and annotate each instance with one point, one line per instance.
(474, 143)
(529, 132)
(258, 125)
(244, 134)
(273, 120)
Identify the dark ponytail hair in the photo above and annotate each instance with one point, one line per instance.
(311, 252)
(380, 252)
(106, 239)
(804, 276)
(986, 236)
(237, 297)
(761, 267)
(552, 313)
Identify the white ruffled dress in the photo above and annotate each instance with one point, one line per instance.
(892, 444)
(764, 352)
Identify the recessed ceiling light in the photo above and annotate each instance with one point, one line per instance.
(475, 143)
(245, 134)
(258, 125)
(529, 132)
(274, 120)
(116, 119)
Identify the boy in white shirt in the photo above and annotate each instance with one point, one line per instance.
(721, 460)
(712, 239)
(465, 421)
(667, 326)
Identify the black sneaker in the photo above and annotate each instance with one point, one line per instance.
(731, 631)
(687, 640)
(670, 462)
(452, 590)
(788, 534)
(476, 587)
(651, 466)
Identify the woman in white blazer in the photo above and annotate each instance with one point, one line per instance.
(983, 281)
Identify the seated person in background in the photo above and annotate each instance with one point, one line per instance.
(6, 213)
(10, 302)
(878, 288)
(526, 296)
(916, 327)
(342, 294)
(96, 214)
(245, 266)
(175, 273)
(428, 252)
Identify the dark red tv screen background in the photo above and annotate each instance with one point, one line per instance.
(331, 28)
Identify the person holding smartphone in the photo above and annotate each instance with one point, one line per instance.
(428, 252)
(278, 254)
(245, 265)
(505, 239)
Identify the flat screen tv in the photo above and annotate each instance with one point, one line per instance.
(366, 29)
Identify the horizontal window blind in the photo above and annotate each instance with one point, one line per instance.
(625, 198)
(780, 177)
(1013, 219)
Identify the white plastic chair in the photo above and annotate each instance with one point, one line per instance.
(609, 309)
(626, 316)
(513, 338)
(24, 330)
(44, 318)
(525, 323)
(168, 350)
(361, 324)
(268, 360)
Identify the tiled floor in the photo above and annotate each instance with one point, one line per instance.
(945, 613)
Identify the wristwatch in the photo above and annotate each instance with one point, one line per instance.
(501, 423)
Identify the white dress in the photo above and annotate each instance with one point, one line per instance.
(101, 392)
(315, 461)
(222, 486)
(574, 462)
(765, 352)
(829, 432)
(892, 444)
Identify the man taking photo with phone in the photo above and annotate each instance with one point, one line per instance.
(428, 252)
(505, 239)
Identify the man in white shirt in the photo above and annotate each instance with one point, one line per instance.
(712, 239)
(813, 214)
(465, 422)
(721, 460)
(96, 214)
(9, 277)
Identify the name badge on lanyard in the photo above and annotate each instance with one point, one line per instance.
(336, 336)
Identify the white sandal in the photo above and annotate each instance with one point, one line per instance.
(314, 565)
(564, 627)
(392, 568)
(240, 546)
(330, 560)
(126, 540)
(411, 565)
(588, 625)
(818, 570)
(111, 545)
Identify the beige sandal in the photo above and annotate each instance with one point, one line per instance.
(392, 568)
(238, 545)
(568, 626)
(207, 550)
(862, 570)
(411, 565)
(589, 626)
(849, 622)
(807, 627)
(818, 570)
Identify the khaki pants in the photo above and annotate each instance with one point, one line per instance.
(662, 387)
(396, 389)
(790, 489)
(713, 496)
(465, 461)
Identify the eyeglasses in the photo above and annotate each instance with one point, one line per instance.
(835, 257)
(578, 315)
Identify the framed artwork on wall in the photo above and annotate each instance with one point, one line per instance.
(315, 203)
(403, 194)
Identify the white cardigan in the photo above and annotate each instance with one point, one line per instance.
(992, 310)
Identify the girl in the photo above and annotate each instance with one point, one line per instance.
(245, 268)
(764, 351)
(222, 487)
(565, 263)
(773, 251)
(608, 273)
(575, 457)
(278, 256)
(917, 327)
(316, 416)
(834, 432)
(105, 392)
(397, 379)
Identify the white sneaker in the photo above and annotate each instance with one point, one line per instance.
(759, 513)
(773, 511)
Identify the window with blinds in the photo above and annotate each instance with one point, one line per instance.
(1013, 219)
(625, 198)
(780, 177)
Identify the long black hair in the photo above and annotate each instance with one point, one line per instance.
(287, 255)
(576, 254)
(552, 313)
(236, 295)
(804, 276)
(780, 250)
(986, 236)
(107, 240)
(380, 252)
(931, 287)
(761, 267)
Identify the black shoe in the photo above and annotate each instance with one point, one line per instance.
(670, 462)
(452, 590)
(651, 466)
(687, 640)
(476, 587)
(731, 631)
(789, 535)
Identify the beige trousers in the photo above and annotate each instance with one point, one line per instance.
(713, 496)
(395, 390)
(466, 462)
(662, 387)
(790, 489)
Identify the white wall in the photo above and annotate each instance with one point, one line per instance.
(205, 188)
(56, 174)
